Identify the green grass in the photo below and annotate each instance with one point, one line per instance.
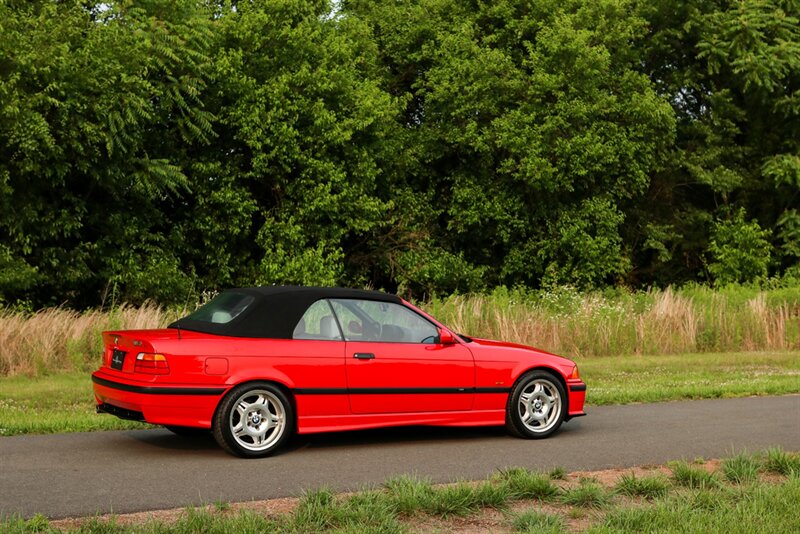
(407, 504)
(781, 462)
(408, 495)
(760, 508)
(649, 487)
(557, 473)
(64, 402)
(693, 477)
(55, 403)
(741, 469)
(588, 495)
(320, 510)
(538, 523)
(628, 379)
(524, 484)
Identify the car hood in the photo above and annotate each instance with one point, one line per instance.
(489, 349)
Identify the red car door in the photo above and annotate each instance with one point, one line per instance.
(394, 363)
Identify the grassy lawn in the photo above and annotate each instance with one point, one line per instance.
(64, 402)
(57, 403)
(628, 379)
(746, 493)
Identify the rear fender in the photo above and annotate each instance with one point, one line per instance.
(280, 384)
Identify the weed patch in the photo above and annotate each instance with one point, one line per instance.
(523, 484)
(781, 462)
(588, 495)
(538, 522)
(693, 477)
(649, 487)
(741, 469)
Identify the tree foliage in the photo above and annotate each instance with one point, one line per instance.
(731, 71)
(155, 149)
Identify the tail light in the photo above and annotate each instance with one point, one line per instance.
(153, 364)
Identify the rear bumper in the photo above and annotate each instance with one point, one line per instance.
(156, 404)
(122, 413)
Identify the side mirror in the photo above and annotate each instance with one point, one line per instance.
(446, 338)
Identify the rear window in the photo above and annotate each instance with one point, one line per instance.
(223, 308)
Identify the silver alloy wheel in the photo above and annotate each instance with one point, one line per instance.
(539, 405)
(258, 420)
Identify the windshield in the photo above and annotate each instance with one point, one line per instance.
(223, 308)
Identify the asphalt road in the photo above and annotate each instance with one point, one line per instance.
(65, 475)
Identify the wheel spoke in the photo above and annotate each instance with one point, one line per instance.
(239, 430)
(262, 402)
(526, 417)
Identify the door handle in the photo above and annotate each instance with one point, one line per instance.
(364, 356)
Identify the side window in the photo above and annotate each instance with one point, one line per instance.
(317, 323)
(368, 320)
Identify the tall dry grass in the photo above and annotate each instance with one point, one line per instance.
(58, 339)
(653, 322)
(562, 321)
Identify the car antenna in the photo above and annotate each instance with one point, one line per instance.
(179, 330)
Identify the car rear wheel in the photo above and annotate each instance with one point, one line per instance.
(253, 420)
(537, 405)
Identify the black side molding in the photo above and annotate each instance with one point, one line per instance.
(578, 387)
(395, 391)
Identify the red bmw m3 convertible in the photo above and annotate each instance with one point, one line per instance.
(255, 365)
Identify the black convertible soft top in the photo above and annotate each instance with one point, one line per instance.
(275, 310)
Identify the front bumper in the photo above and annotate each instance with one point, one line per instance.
(577, 397)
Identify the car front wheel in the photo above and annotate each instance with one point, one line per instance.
(537, 405)
(253, 420)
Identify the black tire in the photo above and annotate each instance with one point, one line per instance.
(253, 420)
(527, 418)
(188, 431)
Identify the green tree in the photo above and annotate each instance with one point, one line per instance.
(740, 250)
(533, 130)
(307, 134)
(98, 103)
(730, 70)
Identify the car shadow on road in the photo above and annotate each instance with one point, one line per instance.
(164, 439)
(378, 437)
(409, 434)
(393, 435)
